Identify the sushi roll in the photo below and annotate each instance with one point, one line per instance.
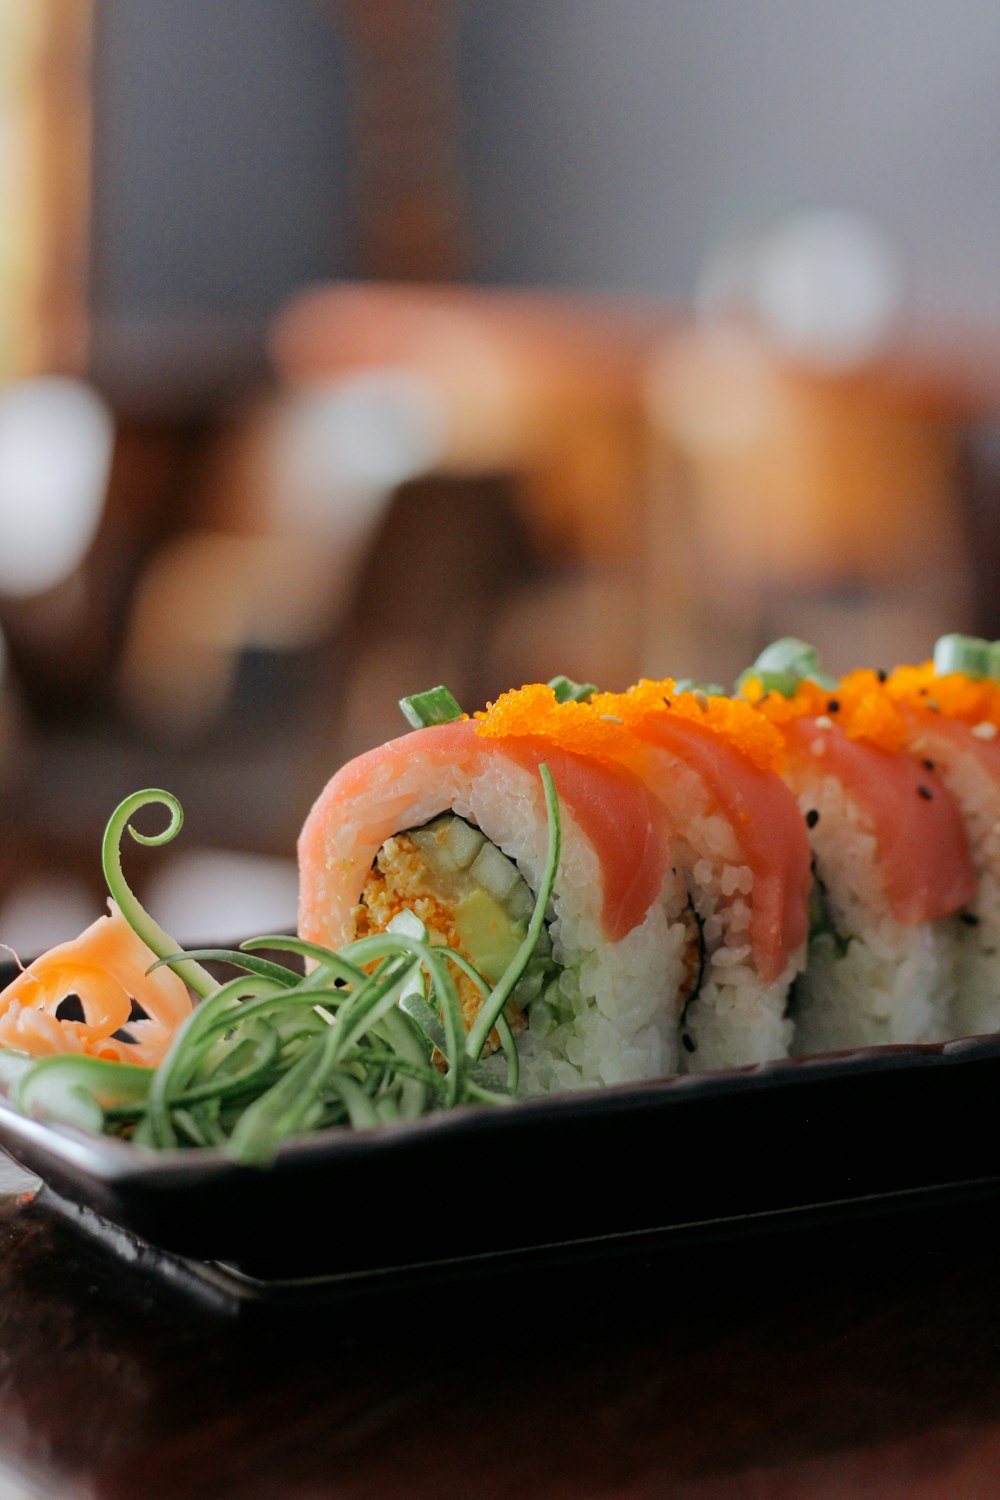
(950, 708)
(741, 844)
(891, 861)
(449, 822)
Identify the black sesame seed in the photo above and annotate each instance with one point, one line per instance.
(833, 707)
(883, 676)
(925, 792)
(969, 918)
(666, 702)
(812, 818)
(688, 1042)
(929, 764)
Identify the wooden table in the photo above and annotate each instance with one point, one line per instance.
(850, 1360)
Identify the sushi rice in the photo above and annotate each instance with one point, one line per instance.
(601, 1019)
(870, 980)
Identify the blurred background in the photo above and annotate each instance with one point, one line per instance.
(350, 346)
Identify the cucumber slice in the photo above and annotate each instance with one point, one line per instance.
(518, 903)
(494, 872)
(430, 842)
(448, 844)
(463, 842)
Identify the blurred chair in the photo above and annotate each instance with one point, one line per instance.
(536, 385)
(792, 499)
(449, 482)
(539, 392)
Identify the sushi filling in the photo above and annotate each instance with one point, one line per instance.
(823, 930)
(469, 896)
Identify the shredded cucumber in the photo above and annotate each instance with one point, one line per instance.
(372, 1035)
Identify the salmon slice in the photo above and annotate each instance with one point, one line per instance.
(765, 821)
(946, 741)
(411, 780)
(922, 850)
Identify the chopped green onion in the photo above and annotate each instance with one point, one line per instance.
(968, 654)
(568, 691)
(436, 706)
(689, 685)
(784, 665)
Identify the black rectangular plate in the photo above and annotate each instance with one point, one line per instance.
(835, 1133)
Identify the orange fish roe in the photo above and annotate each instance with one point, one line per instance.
(731, 719)
(859, 704)
(954, 695)
(533, 712)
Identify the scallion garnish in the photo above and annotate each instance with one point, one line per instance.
(690, 685)
(784, 665)
(436, 706)
(968, 654)
(568, 691)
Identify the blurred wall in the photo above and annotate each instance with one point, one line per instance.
(607, 142)
(220, 160)
(610, 141)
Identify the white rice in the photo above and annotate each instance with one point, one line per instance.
(613, 1015)
(736, 1019)
(977, 1002)
(894, 983)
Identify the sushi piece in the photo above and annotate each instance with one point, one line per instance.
(950, 709)
(891, 862)
(448, 822)
(742, 846)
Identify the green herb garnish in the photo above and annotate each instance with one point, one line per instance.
(436, 706)
(373, 1034)
(821, 923)
(968, 654)
(689, 685)
(783, 665)
(568, 691)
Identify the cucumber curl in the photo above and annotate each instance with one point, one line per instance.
(373, 1035)
(128, 903)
